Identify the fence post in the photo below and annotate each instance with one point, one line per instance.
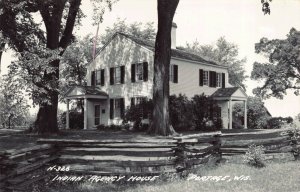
(217, 143)
(294, 144)
(180, 160)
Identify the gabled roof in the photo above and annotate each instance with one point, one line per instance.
(230, 93)
(225, 92)
(78, 91)
(175, 53)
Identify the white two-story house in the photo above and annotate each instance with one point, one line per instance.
(122, 74)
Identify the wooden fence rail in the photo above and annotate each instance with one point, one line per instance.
(125, 157)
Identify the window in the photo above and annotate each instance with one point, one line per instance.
(98, 77)
(97, 114)
(117, 108)
(219, 79)
(118, 75)
(173, 74)
(205, 78)
(139, 72)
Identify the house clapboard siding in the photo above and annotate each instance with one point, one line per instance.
(123, 69)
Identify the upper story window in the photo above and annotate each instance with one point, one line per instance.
(139, 72)
(173, 73)
(117, 75)
(211, 78)
(205, 78)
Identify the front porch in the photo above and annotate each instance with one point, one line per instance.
(226, 97)
(95, 102)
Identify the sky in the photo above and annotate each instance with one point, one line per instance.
(240, 21)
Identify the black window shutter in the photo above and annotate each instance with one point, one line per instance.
(175, 73)
(102, 77)
(145, 71)
(111, 114)
(133, 73)
(214, 79)
(111, 74)
(211, 79)
(93, 78)
(132, 103)
(122, 107)
(223, 80)
(122, 74)
(201, 77)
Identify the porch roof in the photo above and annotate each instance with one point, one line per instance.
(230, 93)
(88, 92)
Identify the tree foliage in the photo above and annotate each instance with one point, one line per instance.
(282, 71)
(40, 45)
(224, 53)
(14, 108)
(137, 29)
(257, 114)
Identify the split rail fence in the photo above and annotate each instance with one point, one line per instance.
(20, 168)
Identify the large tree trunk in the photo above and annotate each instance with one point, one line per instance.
(160, 124)
(46, 121)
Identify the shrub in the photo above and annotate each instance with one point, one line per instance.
(76, 120)
(255, 156)
(205, 109)
(278, 122)
(181, 114)
(136, 114)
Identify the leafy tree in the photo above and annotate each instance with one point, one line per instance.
(39, 52)
(160, 124)
(136, 29)
(14, 108)
(282, 72)
(225, 53)
(257, 114)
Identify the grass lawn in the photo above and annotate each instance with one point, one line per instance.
(274, 177)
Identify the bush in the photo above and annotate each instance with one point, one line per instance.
(137, 113)
(181, 114)
(278, 122)
(206, 113)
(76, 120)
(255, 156)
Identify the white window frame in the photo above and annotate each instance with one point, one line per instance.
(117, 108)
(206, 78)
(98, 77)
(139, 72)
(117, 74)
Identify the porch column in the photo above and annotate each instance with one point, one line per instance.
(245, 114)
(230, 114)
(68, 116)
(85, 122)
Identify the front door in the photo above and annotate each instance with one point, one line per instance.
(97, 114)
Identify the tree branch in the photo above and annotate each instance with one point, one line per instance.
(67, 34)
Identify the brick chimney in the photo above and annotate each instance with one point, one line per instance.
(173, 36)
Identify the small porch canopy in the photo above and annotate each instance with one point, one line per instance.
(85, 93)
(232, 94)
